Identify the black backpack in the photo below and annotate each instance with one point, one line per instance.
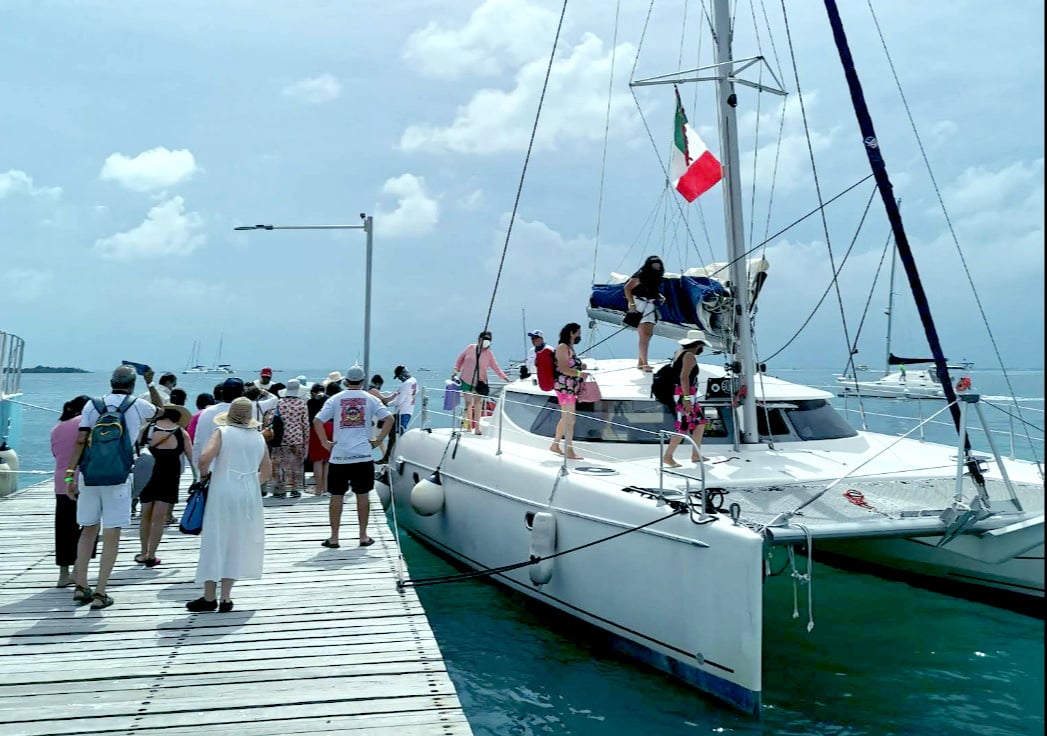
(277, 425)
(663, 384)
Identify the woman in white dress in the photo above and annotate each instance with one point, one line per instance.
(232, 542)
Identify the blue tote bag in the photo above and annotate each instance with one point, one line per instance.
(193, 515)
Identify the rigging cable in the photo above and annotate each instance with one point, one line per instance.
(833, 282)
(523, 173)
(654, 144)
(534, 560)
(945, 212)
(606, 135)
(814, 173)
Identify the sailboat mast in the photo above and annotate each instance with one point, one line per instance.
(890, 312)
(727, 101)
(883, 183)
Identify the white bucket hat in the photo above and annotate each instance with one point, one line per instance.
(692, 337)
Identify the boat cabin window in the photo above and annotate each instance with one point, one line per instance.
(815, 419)
(771, 422)
(610, 420)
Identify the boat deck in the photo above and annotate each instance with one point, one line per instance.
(322, 644)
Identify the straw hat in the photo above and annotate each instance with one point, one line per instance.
(240, 414)
(332, 377)
(183, 414)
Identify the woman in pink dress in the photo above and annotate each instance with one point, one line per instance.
(472, 366)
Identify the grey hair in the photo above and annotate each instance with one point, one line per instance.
(123, 377)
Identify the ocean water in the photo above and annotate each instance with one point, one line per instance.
(884, 657)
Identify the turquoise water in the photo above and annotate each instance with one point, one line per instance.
(884, 657)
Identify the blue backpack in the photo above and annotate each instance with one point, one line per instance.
(109, 455)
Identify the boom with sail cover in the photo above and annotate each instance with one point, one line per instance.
(697, 299)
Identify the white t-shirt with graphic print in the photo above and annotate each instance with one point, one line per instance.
(353, 412)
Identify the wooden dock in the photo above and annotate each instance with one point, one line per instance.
(322, 644)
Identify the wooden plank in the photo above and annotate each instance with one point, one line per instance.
(323, 643)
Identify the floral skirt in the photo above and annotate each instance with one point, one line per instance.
(690, 418)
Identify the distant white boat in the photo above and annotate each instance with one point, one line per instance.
(921, 383)
(195, 366)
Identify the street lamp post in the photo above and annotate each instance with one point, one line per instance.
(368, 228)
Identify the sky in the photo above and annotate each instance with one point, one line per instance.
(136, 136)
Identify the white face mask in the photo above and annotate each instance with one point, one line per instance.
(485, 343)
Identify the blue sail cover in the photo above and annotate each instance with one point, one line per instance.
(682, 299)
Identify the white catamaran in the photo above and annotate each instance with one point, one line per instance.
(195, 366)
(671, 562)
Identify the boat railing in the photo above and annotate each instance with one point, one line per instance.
(12, 349)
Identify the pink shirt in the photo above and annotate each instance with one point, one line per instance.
(191, 429)
(63, 441)
(466, 365)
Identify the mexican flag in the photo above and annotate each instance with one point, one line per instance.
(693, 169)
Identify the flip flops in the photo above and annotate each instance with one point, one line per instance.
(329, 544)
(140, 559)
(367, 542)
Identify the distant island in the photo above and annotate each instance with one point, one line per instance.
(53, 369)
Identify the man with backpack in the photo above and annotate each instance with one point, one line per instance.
(104, 454)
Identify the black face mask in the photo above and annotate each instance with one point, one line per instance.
(577, 339)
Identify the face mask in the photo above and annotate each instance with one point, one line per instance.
(577, 339)
(404, 375)
(485, 343)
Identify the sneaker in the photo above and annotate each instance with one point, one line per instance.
(225, 606)
(201, 604)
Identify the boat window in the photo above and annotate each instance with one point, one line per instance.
(815, 420)
(610, 420)
(770, 422)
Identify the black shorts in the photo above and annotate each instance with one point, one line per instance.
(343, 476)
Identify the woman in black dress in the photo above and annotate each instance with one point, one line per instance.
(167, 441)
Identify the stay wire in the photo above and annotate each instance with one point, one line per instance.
(834, 282)
(523, 173)
(814, 173)
(606, 135)
(439, 579)
(868, 302)
(945, 211)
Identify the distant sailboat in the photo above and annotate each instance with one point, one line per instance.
(195, 366)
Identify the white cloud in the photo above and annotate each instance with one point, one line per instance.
(793, 158)
(498, 33)
(157, 168)
(25, 284)
(18, 182)
(575, 107)
(315, 90)
(472, 200)
(416, 211)
(166, 231)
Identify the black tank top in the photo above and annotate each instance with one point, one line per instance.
(678, 366)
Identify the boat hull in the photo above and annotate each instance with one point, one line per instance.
(684, 598)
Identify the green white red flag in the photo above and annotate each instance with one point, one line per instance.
(693, 169)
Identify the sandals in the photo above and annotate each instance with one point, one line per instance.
(82, 595)
(367, 542)
(100, 601)
(152, 562)
(329, 544)
(140, 559)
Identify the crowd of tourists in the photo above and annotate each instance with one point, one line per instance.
(120, 452)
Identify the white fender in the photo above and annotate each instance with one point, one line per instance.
(543, 544)
(8, 471)
(427, 496)
(381, 485)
